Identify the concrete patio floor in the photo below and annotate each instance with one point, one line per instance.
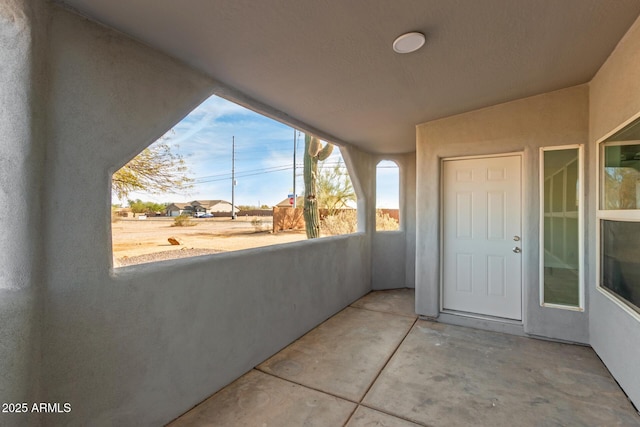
(376, 364)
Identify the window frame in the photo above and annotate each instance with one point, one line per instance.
(581, 230)
(625, 215)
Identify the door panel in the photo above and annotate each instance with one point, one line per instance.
(463, 216)
(481, 215)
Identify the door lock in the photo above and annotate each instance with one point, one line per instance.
(517, 250)
(516, 238)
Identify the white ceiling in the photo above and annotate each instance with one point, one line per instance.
(329, 63)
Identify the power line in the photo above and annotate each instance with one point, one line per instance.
(259, 171)
(243, 176)
(267, 169)
(226, 175)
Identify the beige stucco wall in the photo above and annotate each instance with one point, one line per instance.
(140, 345)
(137, 345)
(551, 119)
(614, 100)
(393, 252)
(23, 101)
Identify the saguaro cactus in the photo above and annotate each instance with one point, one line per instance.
(313, 152)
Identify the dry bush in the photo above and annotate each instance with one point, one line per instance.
(183, 221)
(258, 224)
(343, 222)
(385, 223)
(346, 222)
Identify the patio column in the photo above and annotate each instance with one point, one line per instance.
(22, 126)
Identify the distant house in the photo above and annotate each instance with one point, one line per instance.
(286, 203)
(214, 207)
(177, 209)
(122, 212)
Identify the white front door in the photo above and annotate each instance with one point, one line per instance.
(482, 264)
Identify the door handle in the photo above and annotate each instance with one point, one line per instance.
(517, 250)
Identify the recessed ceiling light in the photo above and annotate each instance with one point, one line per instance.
(409, 42)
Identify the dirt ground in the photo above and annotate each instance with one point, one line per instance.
(138, 241)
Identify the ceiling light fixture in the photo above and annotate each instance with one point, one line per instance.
(409, 42)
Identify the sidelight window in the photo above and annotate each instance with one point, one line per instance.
(561, 272)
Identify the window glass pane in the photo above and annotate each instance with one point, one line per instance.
(621, 177)
(557, 192)
(547, 233)
(571, 235)
(547, 195)
(621, 261)
(572, 191)
(561, 233)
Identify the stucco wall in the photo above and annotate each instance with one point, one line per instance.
(551, 119)
(388, 270)
(408, 203)
(140, 345)
(22, 126)
(393, 252)
(614, 99)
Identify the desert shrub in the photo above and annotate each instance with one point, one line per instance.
(343, 222)
(385, 223)
(183, 221)
(257, 223)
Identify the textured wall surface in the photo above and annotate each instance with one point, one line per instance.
(141, 345)
(556, 118)
(393, 252)
(614, 100)
(408, 203)
(388, 269)
(22, 125)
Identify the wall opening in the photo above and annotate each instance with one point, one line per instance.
(224, 178)
(387, 196)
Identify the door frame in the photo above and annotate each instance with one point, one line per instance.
(523, 239)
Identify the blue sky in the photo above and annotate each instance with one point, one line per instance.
(263, 156)
(387, 185)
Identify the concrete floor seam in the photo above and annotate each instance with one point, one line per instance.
(385, 311)
(364, 405)
(359, 401)
(388, 359)
(348, 420)
(346, 399)
(306, 386)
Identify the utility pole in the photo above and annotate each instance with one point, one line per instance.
(233, 177)
(295, 199)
